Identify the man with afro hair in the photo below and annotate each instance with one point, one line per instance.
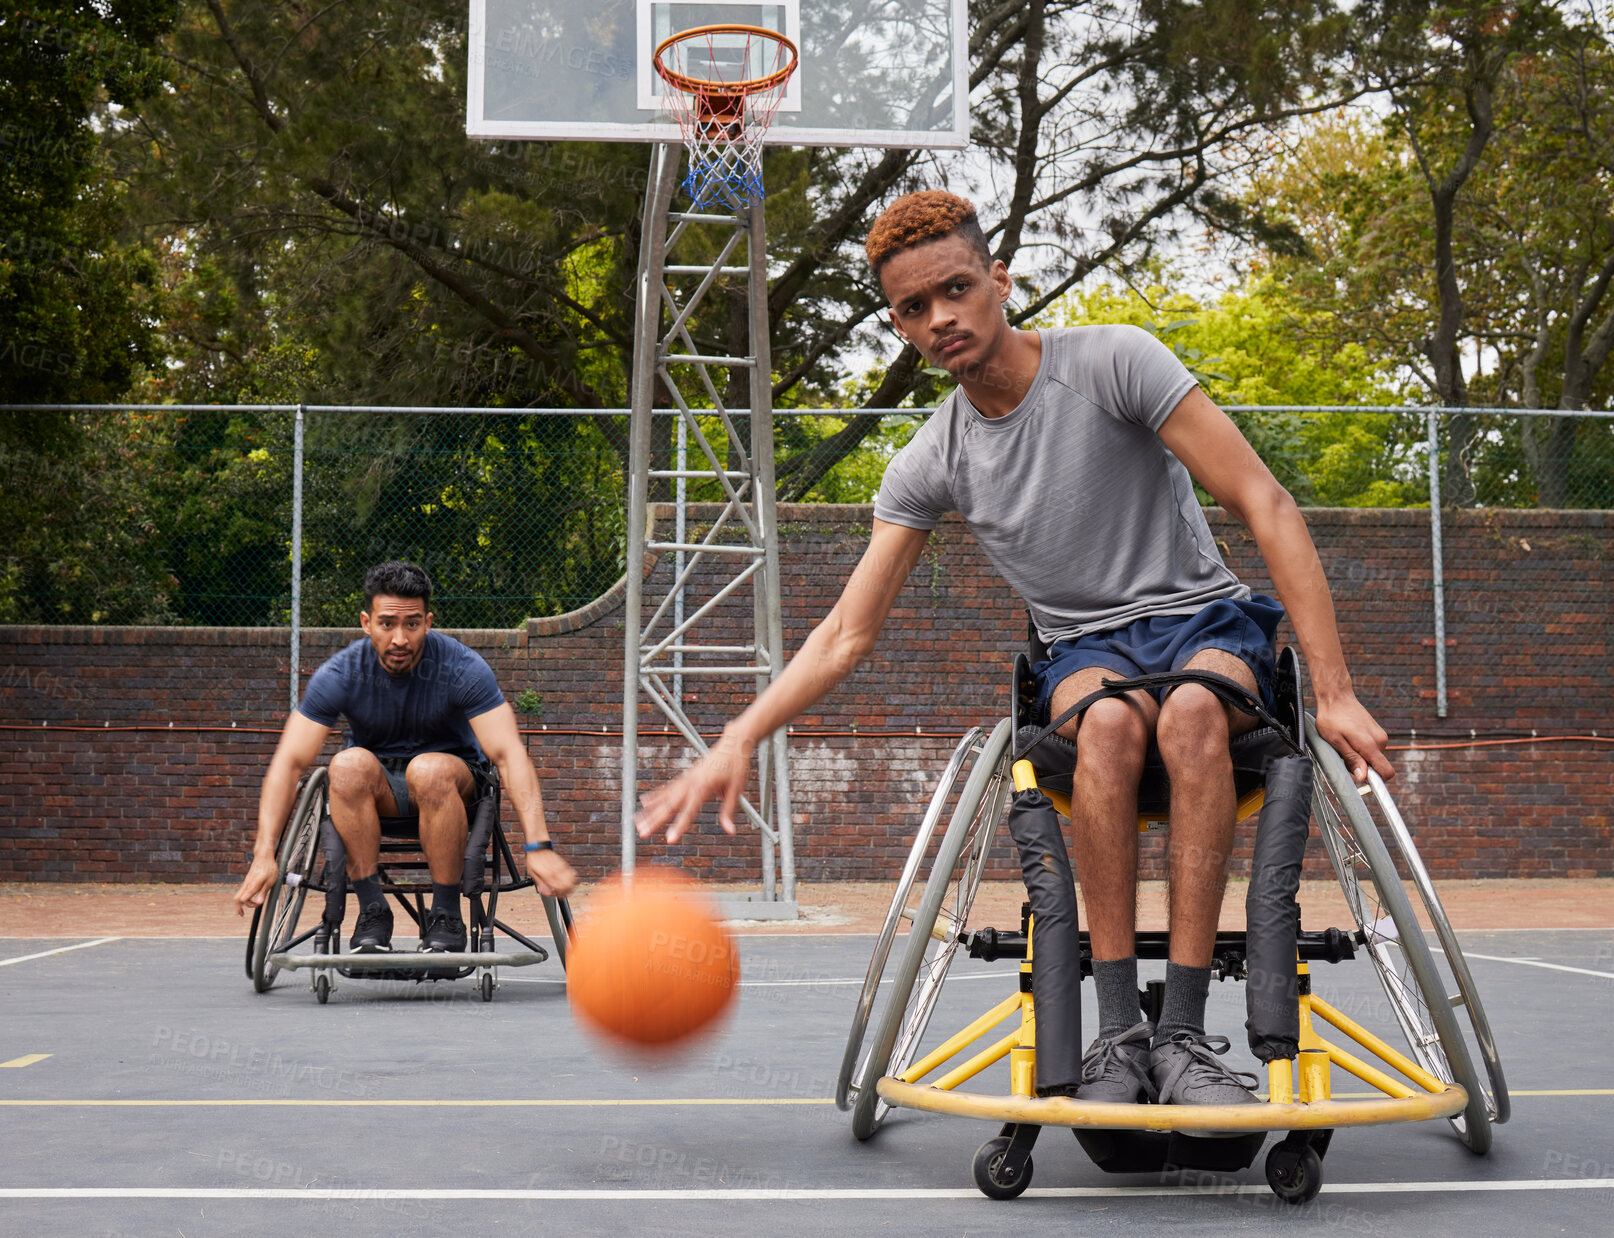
(1072, 454)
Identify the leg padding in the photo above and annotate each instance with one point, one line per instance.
(1272, 914)
(1056, 976)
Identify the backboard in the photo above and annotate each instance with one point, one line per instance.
(872, 72)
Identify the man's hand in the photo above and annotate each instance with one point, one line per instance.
(260, 877)
(719, 775)
(553, 876)
(1346, 725)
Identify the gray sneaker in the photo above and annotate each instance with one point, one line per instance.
(1116, 1070)
(1185, 1071)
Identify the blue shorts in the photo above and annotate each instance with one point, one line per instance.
(1246, 629)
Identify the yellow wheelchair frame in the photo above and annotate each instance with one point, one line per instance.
(1436, 1080)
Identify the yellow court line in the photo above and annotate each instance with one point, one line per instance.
(667, 1102)
(27, 1059)
(413, 1104)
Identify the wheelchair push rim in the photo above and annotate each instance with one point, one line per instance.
(1392, 937)
(913, 999)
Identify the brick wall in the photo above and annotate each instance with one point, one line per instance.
(96, 785)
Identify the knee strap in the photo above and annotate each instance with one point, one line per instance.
(1056, 974)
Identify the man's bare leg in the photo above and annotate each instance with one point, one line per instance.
(1193, 734)
(439, 785)
(360, 797)
(1111, 743)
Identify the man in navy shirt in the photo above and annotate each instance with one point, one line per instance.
(423, 711)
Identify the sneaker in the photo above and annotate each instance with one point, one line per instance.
(443, 932)
(373, 932)
(1116, 1070)
(1185, 1071)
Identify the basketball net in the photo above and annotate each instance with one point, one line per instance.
(724, 85)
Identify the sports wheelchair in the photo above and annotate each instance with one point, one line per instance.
(313, 860)
(1427, 984)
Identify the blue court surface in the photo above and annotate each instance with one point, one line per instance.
(148, 1091)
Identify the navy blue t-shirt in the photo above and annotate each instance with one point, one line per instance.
(427, 710)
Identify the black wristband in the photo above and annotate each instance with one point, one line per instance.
(541, 845)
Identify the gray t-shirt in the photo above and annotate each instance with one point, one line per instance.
(1073, 497)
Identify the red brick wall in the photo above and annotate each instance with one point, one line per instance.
(95, 785)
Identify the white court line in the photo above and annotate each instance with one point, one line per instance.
(744, 1195)
(1579, 971)
(83, 945)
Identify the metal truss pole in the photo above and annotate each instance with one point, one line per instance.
(740, 547)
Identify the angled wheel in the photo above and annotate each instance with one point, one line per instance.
(957, 769)
(1389, 930)
(559, 914)
(1447, 952)
(275, 929)
(939, 922)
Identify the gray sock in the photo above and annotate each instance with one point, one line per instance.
(1184, 1007)
(369, 891)
(1117, 984)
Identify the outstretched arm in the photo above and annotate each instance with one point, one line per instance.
(500, 738)
(830, 653)
(1208, 443)
(298, 748)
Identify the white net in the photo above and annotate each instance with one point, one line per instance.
(724, 84)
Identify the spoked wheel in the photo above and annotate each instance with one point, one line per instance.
(939, 922)
(1389, 931)
(957, 765)
(1448, 952)
(275, 929)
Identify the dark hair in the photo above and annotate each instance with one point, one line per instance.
(919, 218)
(399, 580)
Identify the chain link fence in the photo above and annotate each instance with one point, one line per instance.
(185, 514)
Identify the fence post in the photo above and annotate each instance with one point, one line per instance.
(296, 553)
(1437, 569)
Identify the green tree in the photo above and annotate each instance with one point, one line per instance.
(1256, 344)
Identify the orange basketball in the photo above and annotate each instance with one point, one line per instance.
(650, 964)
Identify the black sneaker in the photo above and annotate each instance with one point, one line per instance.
(373, 932)
(1186, 1071)
(444, 932)
(1116, 1070)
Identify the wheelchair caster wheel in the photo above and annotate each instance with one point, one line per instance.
(996, 1178)
(487, 986)
(1294, 1178)
(322, 989)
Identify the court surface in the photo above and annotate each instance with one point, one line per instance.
(149, 1091)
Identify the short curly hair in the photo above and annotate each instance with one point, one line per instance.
(919, 218)
(399, 580)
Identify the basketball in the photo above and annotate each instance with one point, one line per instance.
(650, 965)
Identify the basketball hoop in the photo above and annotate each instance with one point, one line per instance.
(724, 84)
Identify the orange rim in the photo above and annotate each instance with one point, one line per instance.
(705, 86)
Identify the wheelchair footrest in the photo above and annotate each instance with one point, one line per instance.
(411, 960)
(1149, 1152)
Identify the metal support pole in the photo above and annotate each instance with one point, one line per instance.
(769, 611)
(737, 549)
(1437, 568)
(658, 196)
(296, 555)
